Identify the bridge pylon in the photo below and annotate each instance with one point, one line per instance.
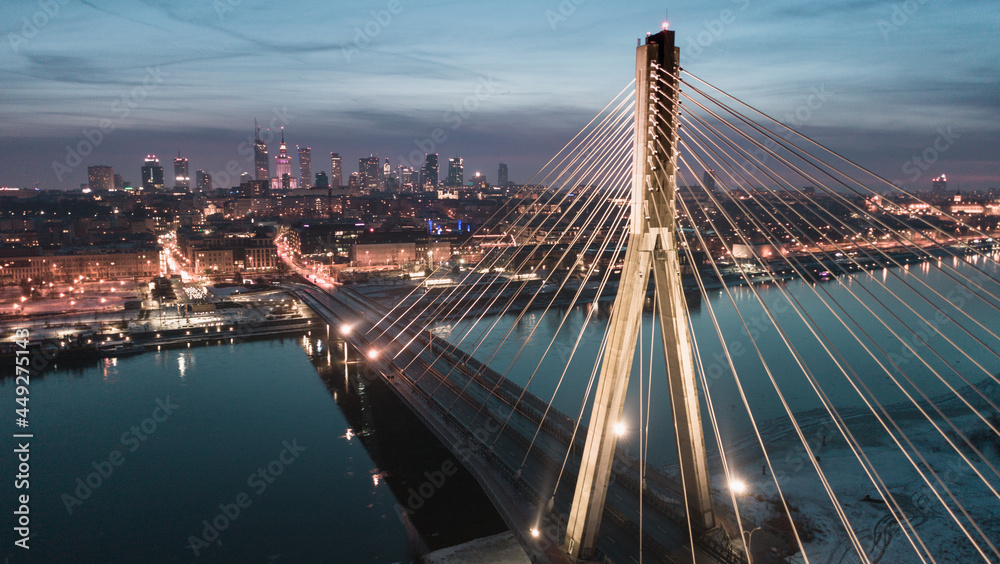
(652, 248)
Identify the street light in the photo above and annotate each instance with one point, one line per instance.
(738, 486)
(750, 540)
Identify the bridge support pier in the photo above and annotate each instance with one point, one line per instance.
(651, 247)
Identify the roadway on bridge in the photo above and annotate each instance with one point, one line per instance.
(445, 386)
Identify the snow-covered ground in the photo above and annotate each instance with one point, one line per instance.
(878, 532)
(63, 298)
(497, 549)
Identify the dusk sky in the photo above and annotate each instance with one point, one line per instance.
(380, 76)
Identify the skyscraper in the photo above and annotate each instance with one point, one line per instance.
(456, 172)
(940, 184)
(371, 173)
(409, 178)
(283, 179)
(322, 181)
(429, 173)
(708, 180)
(203, 180)
(152, 174)
(305, 167)
(389, 182)
(502, 176)
(182, 179)
(336, 171)
(261, 165)
(100, 177)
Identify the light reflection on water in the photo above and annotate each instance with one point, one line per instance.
(931, 373)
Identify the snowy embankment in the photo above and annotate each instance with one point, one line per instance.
(938, 523)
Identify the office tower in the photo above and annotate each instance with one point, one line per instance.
(409, 178)
(371, 173)
(322, 181)
(429, 173)
(100, 177)
(336, 171)
(283, 179)
(940, 184)
(182, 180)
(119, 182)
(708, 180)
(502, 176)
(261, 164)
(355, 182)
(203, 180)
(456, 172)
(305, 167)
(253, 189)
(479, 182)
(389, 182)
(152, 174)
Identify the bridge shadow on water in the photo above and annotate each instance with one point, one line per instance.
(438, 501)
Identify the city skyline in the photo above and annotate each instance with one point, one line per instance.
(867, 79)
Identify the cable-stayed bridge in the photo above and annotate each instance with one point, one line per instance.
(865, 391)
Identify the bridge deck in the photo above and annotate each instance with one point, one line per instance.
(465, 403)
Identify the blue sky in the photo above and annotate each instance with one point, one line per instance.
(381, 76)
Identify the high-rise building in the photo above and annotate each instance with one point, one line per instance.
(429, 173)
(409, 178)
(203, 180)
(502, 176)
(182, 179)
(253, 189)
(100, 177)
(355, 182)
(152, 174)
(119, 182)
(389, 182)
(708, 180)
(261, 164)
(456, 172)
(479, 182)
(283, 179)
(322, 181)
(305, 167)
(336, 171)
(371, 173)
(940, 184)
